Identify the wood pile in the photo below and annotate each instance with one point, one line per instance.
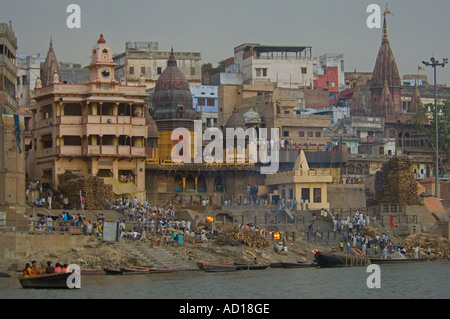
(93, 188)
(247, 237)
(439, 246)
(395, 183)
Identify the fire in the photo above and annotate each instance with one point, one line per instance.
(276, 236)
(209, 219)
(315, 251)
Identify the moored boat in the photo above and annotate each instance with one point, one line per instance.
(110, 271)
(298, 265)
(250, 266)
(326, 260)
(396, 260)
(134, 270)
(216, 267)
(50, 281)
(154, 270)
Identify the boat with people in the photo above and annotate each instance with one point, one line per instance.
(48, 281)
(331, 260)
(216, 267)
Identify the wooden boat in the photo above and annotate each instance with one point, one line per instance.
(4, 275)
(134, 270)
(92, 271)
(50, 281)
(216, 267)
(325, 260)
(396, 260)
(110, 271)
(155, 270)
(298, 265)
(276, 265)
(250, 266)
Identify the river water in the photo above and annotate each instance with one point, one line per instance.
(406, 281)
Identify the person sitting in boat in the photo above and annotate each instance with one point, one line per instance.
(50, 269)
(65, 269)
(58, 268)
(35, 271)
(26, 272)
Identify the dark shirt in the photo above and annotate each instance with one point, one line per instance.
(49, 270)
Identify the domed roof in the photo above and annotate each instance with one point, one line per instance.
(252, 117)
(172, 88)
(235, 120)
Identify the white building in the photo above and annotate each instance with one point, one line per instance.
(285, 66)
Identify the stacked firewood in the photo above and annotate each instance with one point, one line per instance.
(92, 188)
(436, 245)
(395, 183)
(235, 234)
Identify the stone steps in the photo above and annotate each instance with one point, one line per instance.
(163, 257)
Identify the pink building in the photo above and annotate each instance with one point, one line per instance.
(97, 128)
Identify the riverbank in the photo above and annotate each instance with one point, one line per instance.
(94, 254)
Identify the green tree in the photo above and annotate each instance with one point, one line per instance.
(207, 68)
(422, 116)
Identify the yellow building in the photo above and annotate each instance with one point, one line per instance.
(301, 183)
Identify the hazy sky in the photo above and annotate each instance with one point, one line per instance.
(417, 30)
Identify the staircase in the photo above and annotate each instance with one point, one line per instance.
(163, 256)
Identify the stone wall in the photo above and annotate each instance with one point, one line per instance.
(20, 246)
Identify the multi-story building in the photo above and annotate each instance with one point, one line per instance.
(285, 66)
(97, 128)
(329, 60)
(205, 103)
(8, 70)
(278, 108)
(145, 58)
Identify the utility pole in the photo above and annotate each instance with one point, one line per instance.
(434, 63)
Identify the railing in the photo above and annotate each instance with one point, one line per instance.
(39, 226)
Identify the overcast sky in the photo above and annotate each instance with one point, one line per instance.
(417, 30)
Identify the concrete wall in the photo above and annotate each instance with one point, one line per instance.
(346, 196)
(13, 247)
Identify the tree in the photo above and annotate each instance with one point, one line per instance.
(423, 116)
(208, 68)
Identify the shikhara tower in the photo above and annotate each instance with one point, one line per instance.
(386, 86)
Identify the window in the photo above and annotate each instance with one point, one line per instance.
(317, 195)
(301, 134)
(210, 102)
(131, 70)
(192, 71)
(159, 70)
(304, 70)
(286, 133)
(142, 69)
(310, 134)
(317, 134)
(261, 72)
(201, 102)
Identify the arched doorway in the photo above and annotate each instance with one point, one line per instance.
(201, 184)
